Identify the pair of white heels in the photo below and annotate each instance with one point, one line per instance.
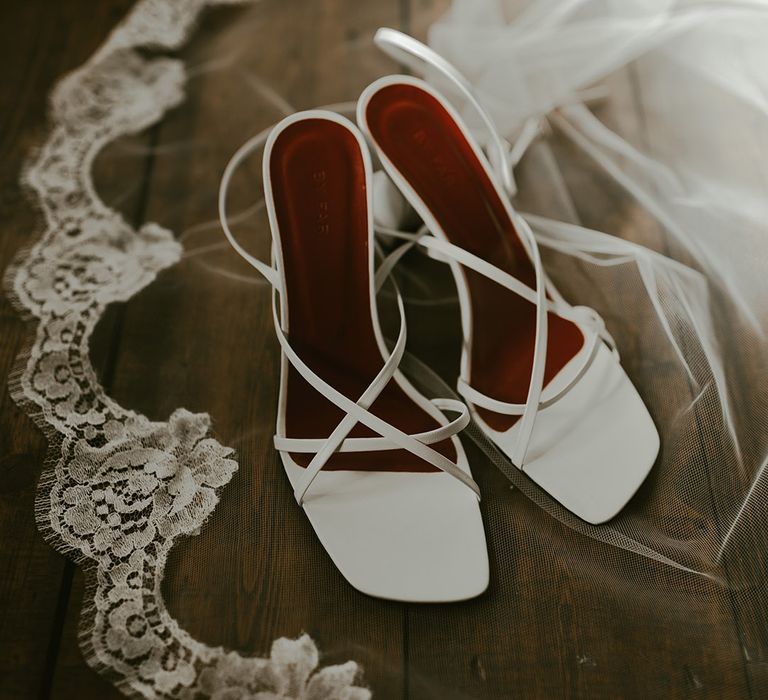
(378, 467)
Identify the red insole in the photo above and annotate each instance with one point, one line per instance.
(427, 147)
(319, 187)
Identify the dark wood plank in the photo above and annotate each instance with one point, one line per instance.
(39, 42)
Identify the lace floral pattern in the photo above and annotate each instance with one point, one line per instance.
(121, 488)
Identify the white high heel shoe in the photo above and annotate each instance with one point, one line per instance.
(376, 466)
(542, 378)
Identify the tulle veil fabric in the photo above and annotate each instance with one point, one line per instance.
(687, 275)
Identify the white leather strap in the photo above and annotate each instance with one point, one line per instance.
(442, 250)
(268, 272)
(334, 440)
(537, 297)
(477, 398)
(375, 444)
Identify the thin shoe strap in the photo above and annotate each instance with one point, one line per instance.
(582, 316)
(537, 297)
(380, 444)
(482, 400)
(440, 249)
(335, 439)
(270, 273)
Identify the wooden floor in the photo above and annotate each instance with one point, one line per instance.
(548, 627)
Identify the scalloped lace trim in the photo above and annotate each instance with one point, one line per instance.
(118, 488)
